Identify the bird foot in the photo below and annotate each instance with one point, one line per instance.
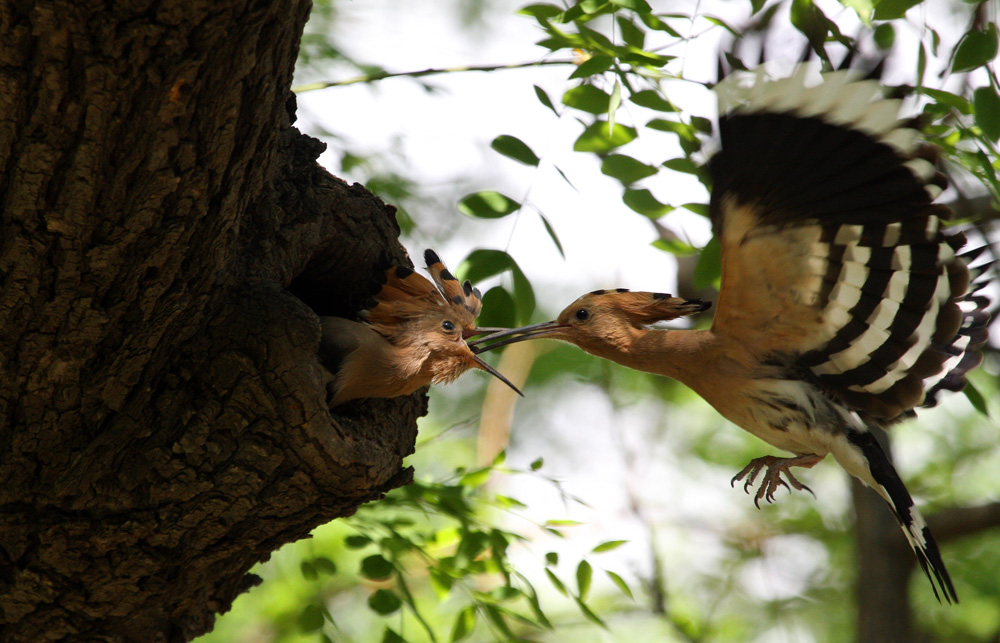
(775, 467)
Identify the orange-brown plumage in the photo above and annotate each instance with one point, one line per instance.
(842, 305)
(410, 336)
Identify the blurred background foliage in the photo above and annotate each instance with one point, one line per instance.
(597, 508)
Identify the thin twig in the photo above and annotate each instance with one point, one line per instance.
(371, 78)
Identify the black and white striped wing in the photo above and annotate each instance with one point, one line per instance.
(833, 255)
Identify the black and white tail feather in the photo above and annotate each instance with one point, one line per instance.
(828, 160)
(889, 485)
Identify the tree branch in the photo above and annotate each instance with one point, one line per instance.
(957, 522)
(371, 78)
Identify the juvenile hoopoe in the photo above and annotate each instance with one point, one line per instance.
(411, 334)
(842, 303)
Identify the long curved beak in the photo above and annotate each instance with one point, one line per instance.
(495, 373)
(482, 330)
(524, 332)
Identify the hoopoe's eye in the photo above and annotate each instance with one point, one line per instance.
(583, 314)
(447, 325)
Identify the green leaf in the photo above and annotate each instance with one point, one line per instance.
(551, 558)
(721, 23)
(473, 544)
(389, 636)
(608, 546)
(893, 9)
(587, 98)
(499, 309)
(562, 522)
(599, 139)
(620, 583)
(947, 98)
(684, 165)
(505, 593)
(708, 269)
(465, 623)
(544, 99)
(613, 104)
(643, 202)
(308, 570)
(639, 6)
(375, 567)
(357, 542)
(589, 614)
(701, 124)
(625, 168)
(536, 606)
(735, 62)
(564, 177)
(484, 263)
(675, 247)
(558, 584)
(384, 602)
(496, 617)
(653, 22)
(310, 619)
(812, 22)
(514, 148)
(631, 34)
(441, 583)
(536, 464)
(487, 205)
(552, 235)
(324, 565)
(593, 66)
(885, 36)
(976, 399)
(584, 575)
(476, 478)
(651, 99)
(756, 6)
(540, 10)
(987, 106)
(509, 503)
(975, 49)
(921, 63)
(697, 208)
(683, 131)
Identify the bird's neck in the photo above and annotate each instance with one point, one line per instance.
(692, 357)
(377, 368)
(673, 353)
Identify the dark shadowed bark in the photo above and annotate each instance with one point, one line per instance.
(163, 424)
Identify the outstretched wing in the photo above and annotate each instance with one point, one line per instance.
(834, 260)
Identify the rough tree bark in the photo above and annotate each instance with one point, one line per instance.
(163, 425)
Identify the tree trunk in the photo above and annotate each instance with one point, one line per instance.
(163, 424)
(884, 567)
(885, 562)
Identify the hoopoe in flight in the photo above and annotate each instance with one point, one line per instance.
(412, 334)
(842, 305)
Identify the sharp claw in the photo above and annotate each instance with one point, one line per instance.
(772, 480)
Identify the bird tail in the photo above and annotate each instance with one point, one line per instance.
(884, 479)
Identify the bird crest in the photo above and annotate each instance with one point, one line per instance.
(406, 296)
(643, 308)
(430, 320)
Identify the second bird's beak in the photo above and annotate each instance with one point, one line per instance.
(481, 330)
(524, 332)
